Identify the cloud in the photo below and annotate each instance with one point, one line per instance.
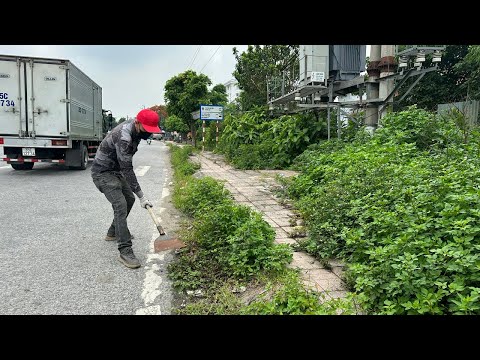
(134, 76)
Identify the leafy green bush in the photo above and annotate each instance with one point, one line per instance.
(417, 126)
(225, 240)
(236, 241)
(293, 299)
(253, 140)
(402, 208)
(251, 249)
(197, 195)
(181, 166)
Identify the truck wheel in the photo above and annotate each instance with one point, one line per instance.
(84, 163)
(24, 166)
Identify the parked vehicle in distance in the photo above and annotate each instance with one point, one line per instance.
(50, 111)
(158, 136)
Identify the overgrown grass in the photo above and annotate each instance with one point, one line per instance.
(402, 208)
(282, 294)
(230, 247)
(226, 243)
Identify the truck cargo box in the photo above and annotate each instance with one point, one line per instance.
(41, 97)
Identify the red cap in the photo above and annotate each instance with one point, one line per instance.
(149, 120)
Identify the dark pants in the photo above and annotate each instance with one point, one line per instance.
(116, 189)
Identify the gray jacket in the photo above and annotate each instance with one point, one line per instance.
(115, 153)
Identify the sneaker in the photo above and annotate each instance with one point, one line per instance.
(112, 238)
(127, 257)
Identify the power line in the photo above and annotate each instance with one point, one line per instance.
(210, 58)
(194, 56)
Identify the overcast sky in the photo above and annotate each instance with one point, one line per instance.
(134, 76)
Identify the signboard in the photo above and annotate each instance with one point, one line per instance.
(318, 76)
(211, 112)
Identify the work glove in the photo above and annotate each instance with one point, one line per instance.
(144, 202)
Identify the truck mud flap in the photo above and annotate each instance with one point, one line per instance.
(73, 157)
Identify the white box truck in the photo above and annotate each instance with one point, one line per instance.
(50, 111)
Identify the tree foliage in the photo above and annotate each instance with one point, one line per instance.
(161, 110)
(184, 93)
(470, 65)
(443, 86)
(255, 65)
(175, 123)
(218, 95)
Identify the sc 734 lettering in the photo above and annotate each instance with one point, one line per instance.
(4, 101)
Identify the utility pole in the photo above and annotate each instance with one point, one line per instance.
(371, 112)
(387, 66)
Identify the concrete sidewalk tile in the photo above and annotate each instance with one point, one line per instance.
(282, 213)
(313, 286)
(317, 277)
(239, 197)
(232, 190)
(280, 233)
(259, 197)
(269, 221)
(305, 261)
(254, 197)
(336, 294)
(335, 262)
(288, 241)
(247, 203)
(282, 222)
(320, 274)
(270, 214)
(275, 208)
(339, 271)
(258, 204)
(289, 229)
(271, 202)
(244, 189)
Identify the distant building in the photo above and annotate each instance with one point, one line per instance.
(232, 90)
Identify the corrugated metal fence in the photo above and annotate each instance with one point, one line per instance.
(469, 108)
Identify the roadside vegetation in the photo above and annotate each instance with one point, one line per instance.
(400, 207)
(230, 264)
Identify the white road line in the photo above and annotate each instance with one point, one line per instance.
(142, 170)
(152, 281)
(150, 310)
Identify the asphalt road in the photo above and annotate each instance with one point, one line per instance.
(53, 256)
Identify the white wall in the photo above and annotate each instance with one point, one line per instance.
(232, 90)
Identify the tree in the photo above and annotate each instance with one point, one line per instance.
(442, 86)
(256, 65)
(161, 110)
(471, 65)
(174, 123)
(122, 119)
(183, 95)
(218, 95)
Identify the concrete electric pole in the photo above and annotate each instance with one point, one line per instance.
(387, 66)
(371, 112)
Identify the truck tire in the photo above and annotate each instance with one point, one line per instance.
(84, 163)
(80, 154)
(24, 166)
